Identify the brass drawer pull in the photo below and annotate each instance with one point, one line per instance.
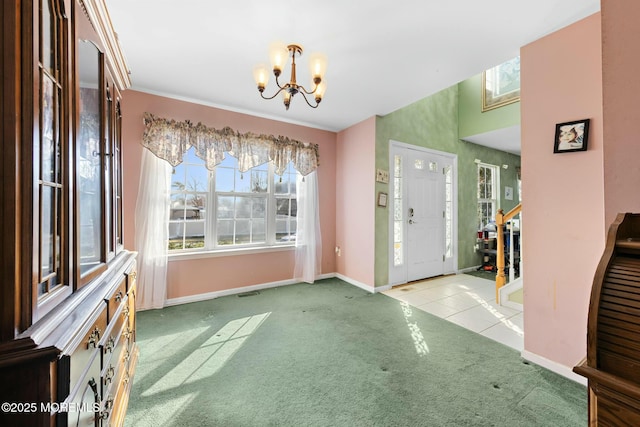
(109, 376)
(108, 405)
(119, 296)
(94, 338)
(111, 343)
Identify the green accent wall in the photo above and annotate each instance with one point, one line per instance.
(471, 119)
(433, 123)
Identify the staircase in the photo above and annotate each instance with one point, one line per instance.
(508, 295)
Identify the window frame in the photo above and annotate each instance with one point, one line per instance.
(494, 200)
(211, 245)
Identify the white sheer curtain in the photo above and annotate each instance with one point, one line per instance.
(308, 238)
(152, 230)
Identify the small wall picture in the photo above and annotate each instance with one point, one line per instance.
(382, 199)
(508, 193)
(571, 136)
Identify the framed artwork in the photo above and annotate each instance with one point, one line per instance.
(382, 199)
(382, 176)
(571, 136)
(508, 193)
(501, 85)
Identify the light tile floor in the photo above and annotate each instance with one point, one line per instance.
(467, 301)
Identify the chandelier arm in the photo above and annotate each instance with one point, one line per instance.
(274, 95)
(306, 100)
(302, 89)
(278, 84)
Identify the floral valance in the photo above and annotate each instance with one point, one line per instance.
(170, 140)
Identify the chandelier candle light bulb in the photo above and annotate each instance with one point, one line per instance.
(278, 54)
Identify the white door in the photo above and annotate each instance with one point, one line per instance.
(422, 219)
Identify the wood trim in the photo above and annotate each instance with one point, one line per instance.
(9, 137)
(97, 12)
(612, 381)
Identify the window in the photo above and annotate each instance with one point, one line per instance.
(488, 185)
(227, 208)
(448, 211)
(398, 220)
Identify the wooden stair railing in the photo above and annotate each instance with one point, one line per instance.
(612, 365)
(501, 220)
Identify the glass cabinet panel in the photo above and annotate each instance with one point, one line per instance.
(117, 181)
(48, 150)
(89, 161)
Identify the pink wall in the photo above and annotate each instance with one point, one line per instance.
(219, 273)
(563, 206)
(355, 201)
(621, 91)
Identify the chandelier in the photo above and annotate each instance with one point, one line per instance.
(278, 54)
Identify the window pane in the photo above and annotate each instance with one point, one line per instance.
(243, 207)
(397, 211)
(176, 235)
(224, 179)
(242, 182)
(397, 231)
(397, 254)
(259, 181)
(243, 231)
(48, 226)
(225, 231)
(259, 208)
(194, 242)
(225, 207)
(258, 231)
(282, 184)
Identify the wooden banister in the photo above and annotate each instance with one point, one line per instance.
(501, 220)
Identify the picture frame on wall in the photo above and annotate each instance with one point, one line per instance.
(501, 85)
(571, 136)
(382, 199)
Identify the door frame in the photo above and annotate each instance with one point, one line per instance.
(394, 147)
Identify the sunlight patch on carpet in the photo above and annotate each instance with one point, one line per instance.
(416, 334)
(207, 359)
(162, 413)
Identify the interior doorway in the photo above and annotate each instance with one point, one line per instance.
(422, 213)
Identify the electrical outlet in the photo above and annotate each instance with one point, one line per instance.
(338, 251)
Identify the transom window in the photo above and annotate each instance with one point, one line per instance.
(227, 208)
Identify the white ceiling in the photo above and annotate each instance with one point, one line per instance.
(382, 55)
(505, 139)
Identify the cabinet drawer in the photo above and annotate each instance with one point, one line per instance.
(131, 311)
(84, 398)
(87, 348)
(113, 333)
(113, 366)
(116, 298)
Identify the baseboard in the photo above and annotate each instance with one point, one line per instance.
(554, 367)
(468, 269)
(356, 283)
(234, 291)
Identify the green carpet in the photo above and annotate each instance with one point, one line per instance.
(331, 354)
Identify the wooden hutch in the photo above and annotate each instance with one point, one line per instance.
(67, 329)
(612, 365)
